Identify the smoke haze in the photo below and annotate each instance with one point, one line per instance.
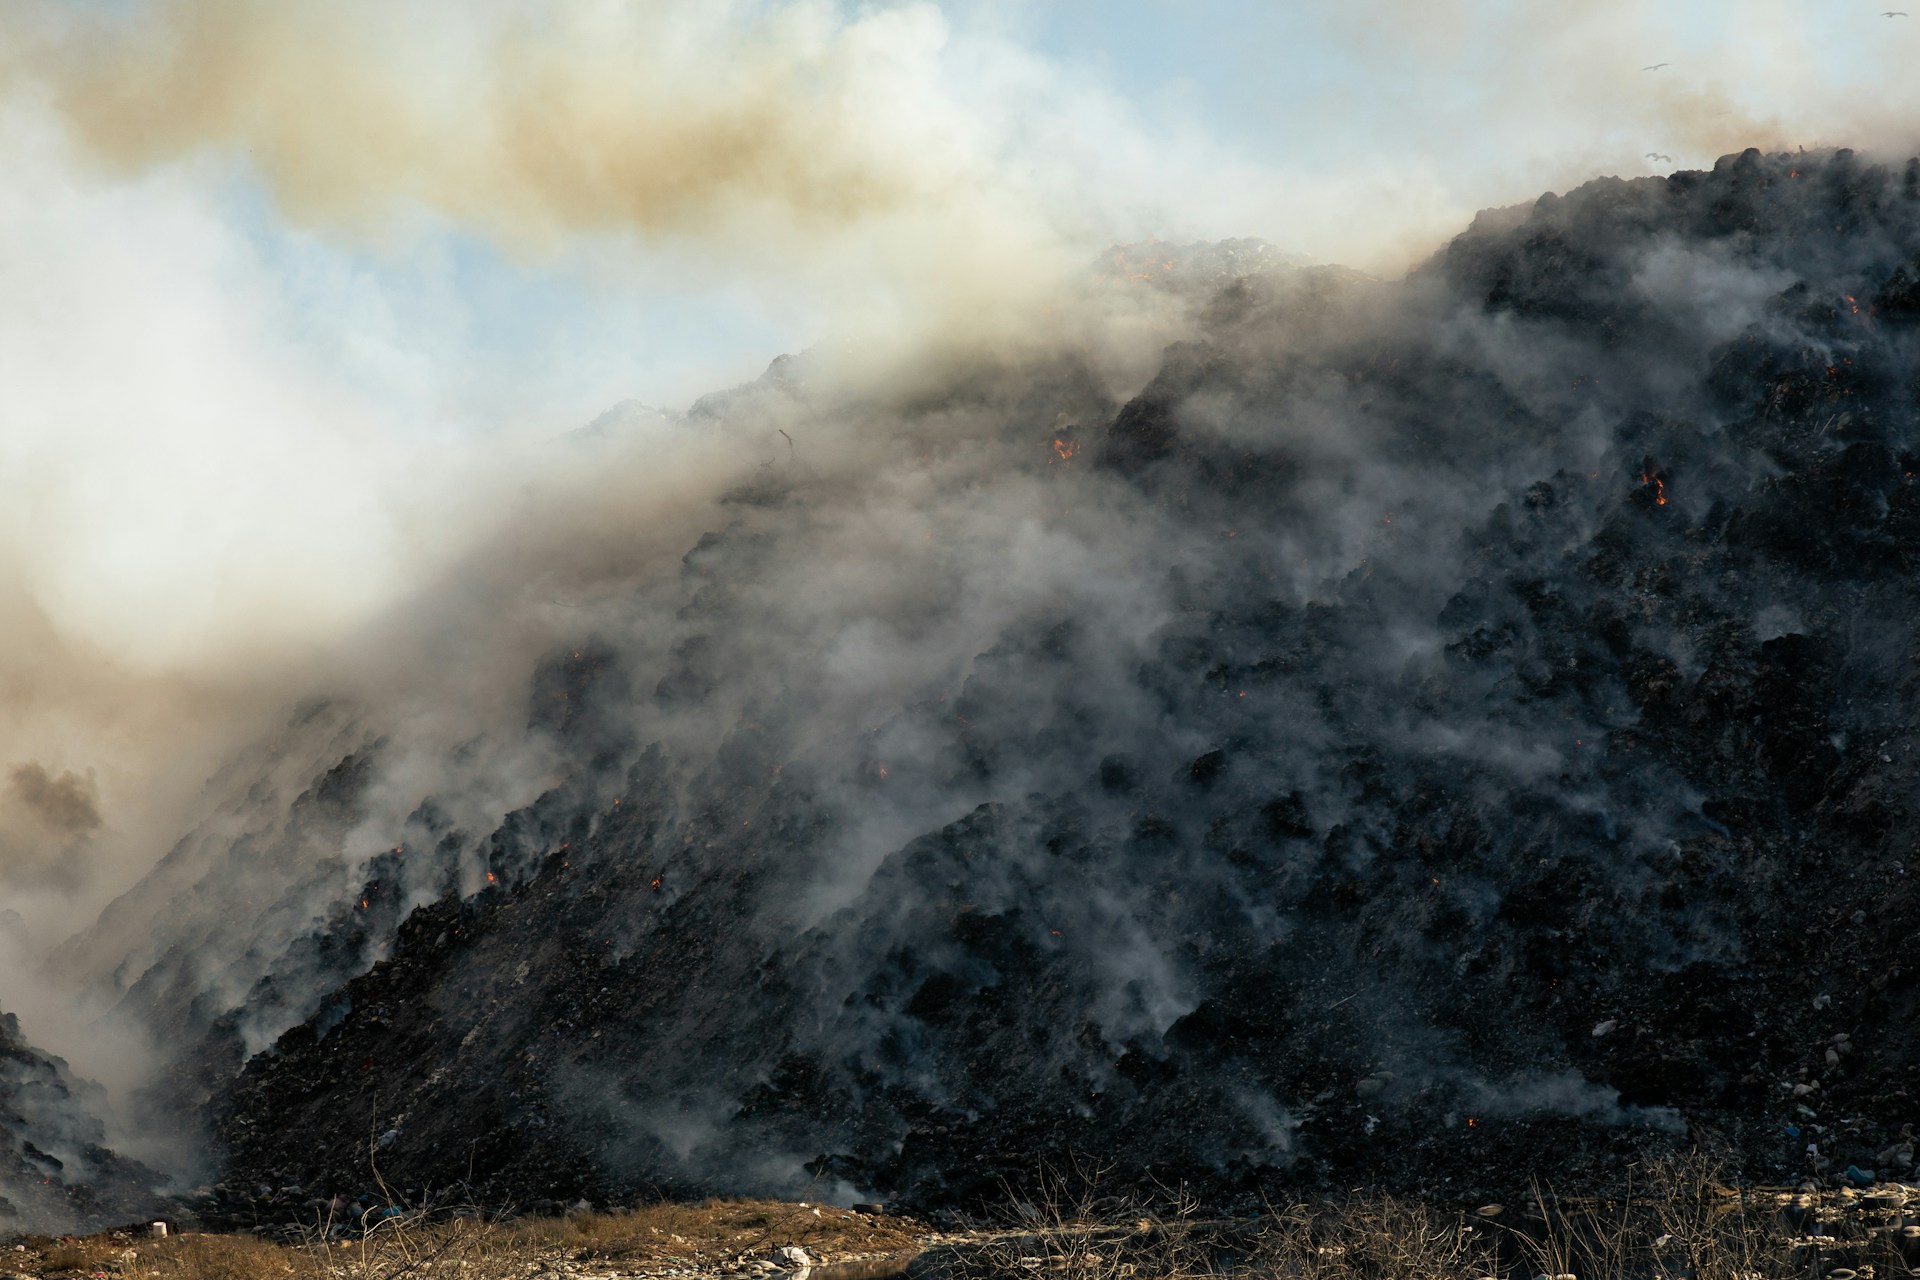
(284, 484)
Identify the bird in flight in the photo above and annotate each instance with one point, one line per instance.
(1894, 13)
(1655, 155)
(1656, 66)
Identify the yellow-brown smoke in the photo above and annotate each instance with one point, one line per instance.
(527, 122)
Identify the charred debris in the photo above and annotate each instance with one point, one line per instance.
(1476, 742)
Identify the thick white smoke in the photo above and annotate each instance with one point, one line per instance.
(219, 496)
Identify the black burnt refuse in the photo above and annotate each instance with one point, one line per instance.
(1478, 744)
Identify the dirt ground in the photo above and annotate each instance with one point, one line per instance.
(725, 1237)
(1683, 1221)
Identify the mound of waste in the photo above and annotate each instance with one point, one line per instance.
(54, 1170)
(1439, 732)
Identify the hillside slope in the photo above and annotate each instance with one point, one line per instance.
(1438, 731)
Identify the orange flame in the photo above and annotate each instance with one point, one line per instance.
(490, 879)
(1659, 487)
(1066, 449)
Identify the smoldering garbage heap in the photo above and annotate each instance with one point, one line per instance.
(1439, 733)
(54, 1170)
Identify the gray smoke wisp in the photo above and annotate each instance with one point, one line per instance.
(46, 818)
(1257, 768)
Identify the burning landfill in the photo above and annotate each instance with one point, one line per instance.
(1440, 731)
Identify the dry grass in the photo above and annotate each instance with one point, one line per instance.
(1375, 1236)
(709, 1236)
(1678, 1221)
(1682, 1219)
(223, 1258)
(380, 1255)
(715, 1233)
(1074, 1232)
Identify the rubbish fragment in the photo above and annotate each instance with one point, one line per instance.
(1368, 1086)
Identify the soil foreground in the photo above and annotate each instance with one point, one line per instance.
(1682, 1222)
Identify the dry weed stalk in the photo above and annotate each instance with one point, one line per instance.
(1676, 1219)
(1364, 1239)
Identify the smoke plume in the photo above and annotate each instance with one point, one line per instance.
(1121, 660)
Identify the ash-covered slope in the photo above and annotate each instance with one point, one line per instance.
(55, 1174)
(1438, 732)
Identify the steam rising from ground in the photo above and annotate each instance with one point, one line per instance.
(215, 503)
(213, 479)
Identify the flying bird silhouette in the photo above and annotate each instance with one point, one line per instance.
(1655, 155)
(1894, 13)
(1656, 66)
